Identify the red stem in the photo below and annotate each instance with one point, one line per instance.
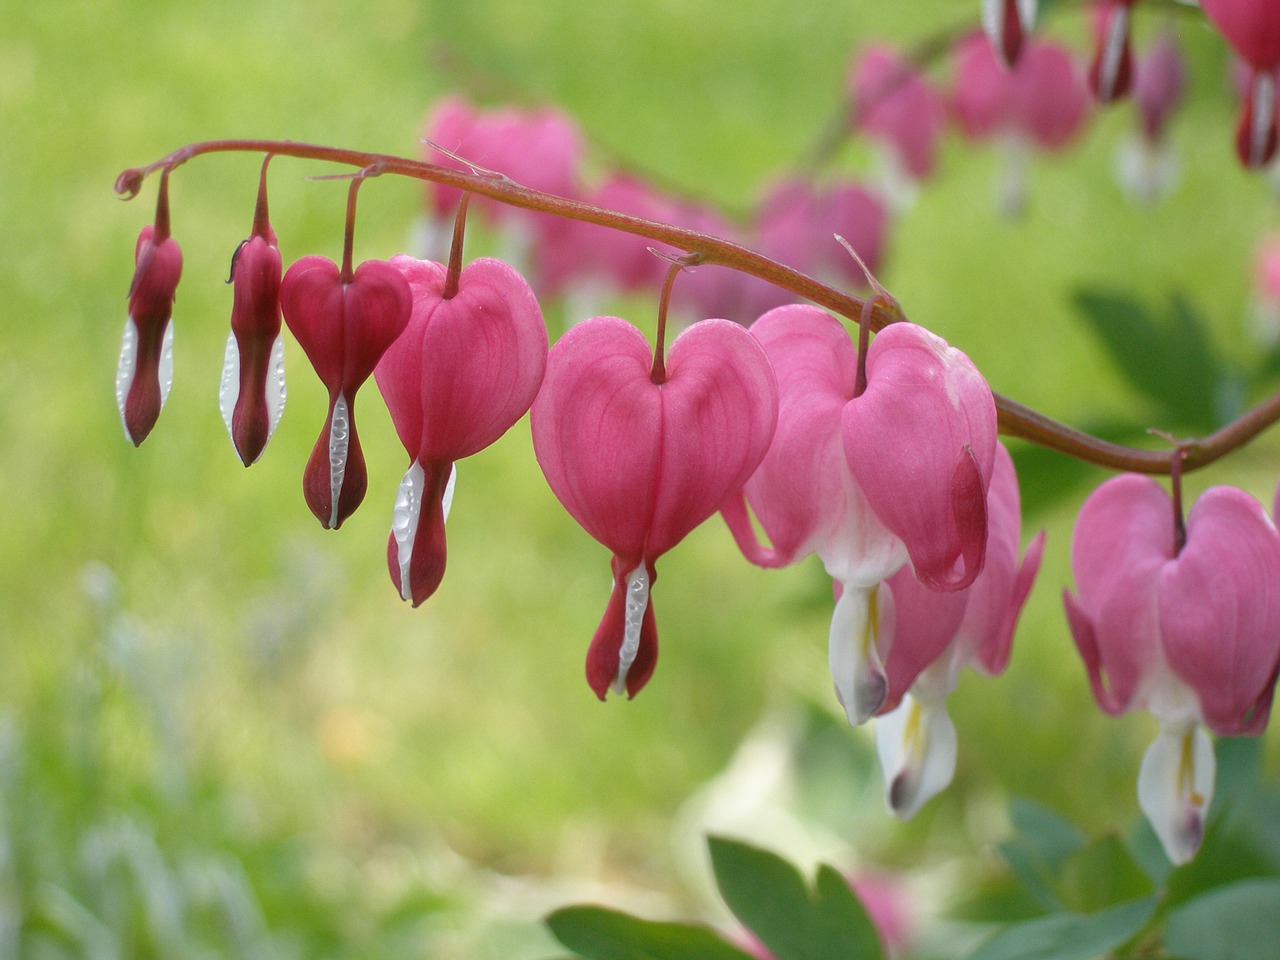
(455, 251)
(1015, 419)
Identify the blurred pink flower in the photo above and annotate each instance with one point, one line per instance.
(1252, 28)
(895, 105)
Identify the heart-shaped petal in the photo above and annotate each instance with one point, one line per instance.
(921, 442)
(467, 368)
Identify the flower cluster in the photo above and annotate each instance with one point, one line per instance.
(879, 455)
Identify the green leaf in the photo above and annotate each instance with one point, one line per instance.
(1171, 361)
(597, 933)
(1238, 922)
(1068, 936)
(847, 930)
(771, 898)
(1042, 841)
(1101, 875)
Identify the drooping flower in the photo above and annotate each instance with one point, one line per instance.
(894, 105)
(145, 371)
(1252, 27)
(1007, 23)
(931, 636)
(1039, 104)
(869, 481)
(252, 392)
(1111, 72)
(344, 321)
(1191, 635)
(464, 370)
(1147, 167)
(640, 457)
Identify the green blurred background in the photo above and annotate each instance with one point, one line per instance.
(220, 731)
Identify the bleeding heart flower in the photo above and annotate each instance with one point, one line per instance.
(895, 105)
(640, 463)
(1007, 24)
(344, 324)
(1111, 73)
(808, 494)
(1252, 27)
(920, 443)
(1191, 635)
(929, 637)
(464, 370)
(145, 372)
(252, 392)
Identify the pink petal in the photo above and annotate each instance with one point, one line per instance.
(465, 369)
(597, 432)
(255, 325)
(1252, 27)
(1122, 539)
(920, 442)
(1220, 608)
(141, 384)
(925, 623)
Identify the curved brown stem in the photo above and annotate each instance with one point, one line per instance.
(1015, 419)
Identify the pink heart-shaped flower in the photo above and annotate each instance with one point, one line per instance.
(640, 464)
(463, 372)
(343, 326)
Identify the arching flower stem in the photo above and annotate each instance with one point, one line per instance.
(1015, 419)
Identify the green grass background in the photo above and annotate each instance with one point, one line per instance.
(237, 734)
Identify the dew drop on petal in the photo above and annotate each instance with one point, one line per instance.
(126, 370)
(229, 388)
(166, 364)
(275, 386)
(404, 523)
(633, 619)
(339, 441)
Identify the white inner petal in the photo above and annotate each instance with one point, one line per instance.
(166, 364)
(446, 502)
(1113, 51)
(404, 522)
(1175, 788)
(916, 743)
(1027, 13)
(229, 388)
(633, 619)
(1264, 109)
(125, 369)
(856, 666)
(275, 386)
(992, 19)
(339, 442)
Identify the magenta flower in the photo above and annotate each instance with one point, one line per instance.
(344, 323)
(1192, 635)
(1147, 167)
(895, 105)
(868, 482)
(1007, 24)
(931, 636)
(1111, 72)
(252, 392)
(640, 463)
(145, 372)
(1039, 104)
(1252, 27)
(464, 370)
